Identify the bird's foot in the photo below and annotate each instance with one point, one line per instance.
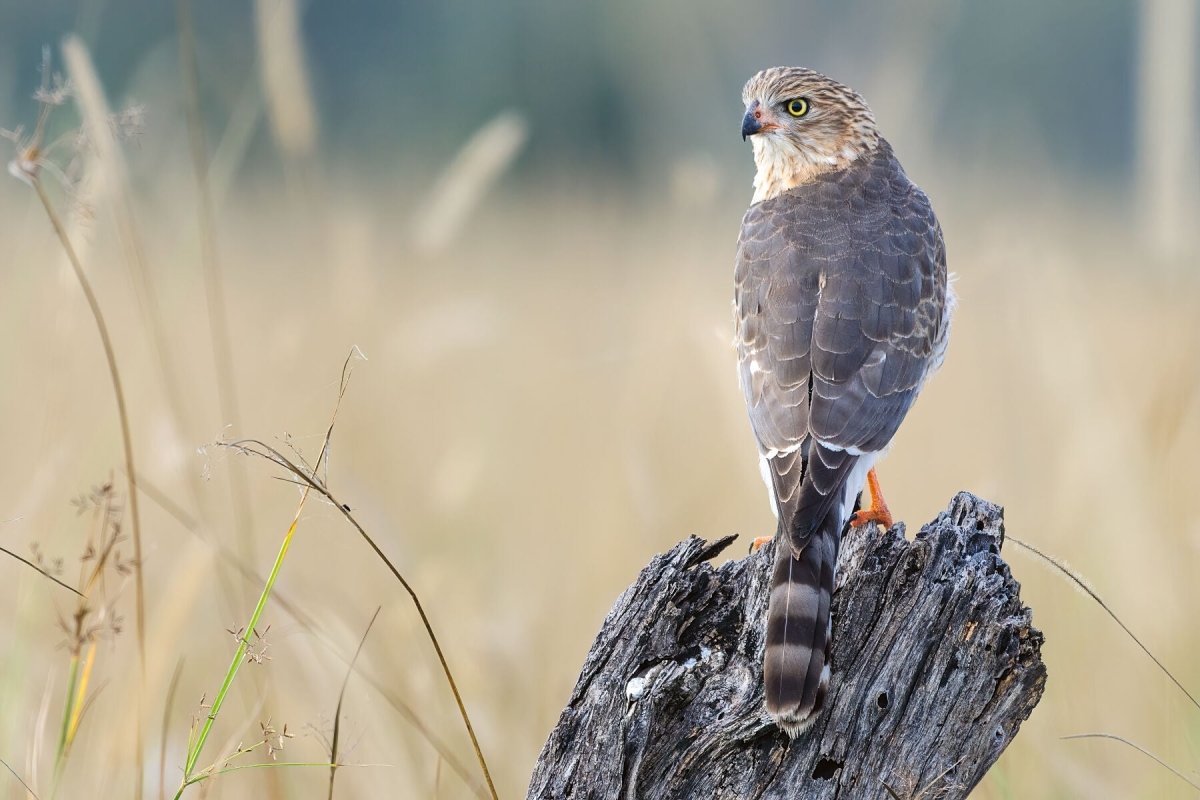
(759, 542)
(879, 513)
(880, 516)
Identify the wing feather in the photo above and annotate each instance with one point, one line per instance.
(840, 295)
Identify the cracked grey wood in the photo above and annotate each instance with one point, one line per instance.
(935, 666)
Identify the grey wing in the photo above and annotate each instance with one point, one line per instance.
(775, 302)
(839, 313)
(881, 323)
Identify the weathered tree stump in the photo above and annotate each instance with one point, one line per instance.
(935, 666)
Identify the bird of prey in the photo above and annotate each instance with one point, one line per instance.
(843, 312)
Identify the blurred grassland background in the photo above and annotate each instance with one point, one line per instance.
(524, 214)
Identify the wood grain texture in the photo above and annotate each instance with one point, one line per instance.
(935, 665)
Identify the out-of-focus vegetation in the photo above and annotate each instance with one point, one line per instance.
(524, 215)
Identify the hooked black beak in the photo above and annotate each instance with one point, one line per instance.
(751, 123)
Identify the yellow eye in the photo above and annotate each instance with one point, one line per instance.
(797, 107)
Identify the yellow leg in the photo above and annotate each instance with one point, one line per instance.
(878, 511)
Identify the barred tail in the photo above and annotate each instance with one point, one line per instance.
(795, 661)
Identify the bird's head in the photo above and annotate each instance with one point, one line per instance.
(802, 124)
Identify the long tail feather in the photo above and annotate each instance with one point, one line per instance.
(795, 662)
(813, 509)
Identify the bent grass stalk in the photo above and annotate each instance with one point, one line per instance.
(310, 479)
(1141, 750)
(1082, 584)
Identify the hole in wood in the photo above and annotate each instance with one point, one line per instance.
(950, 667)
(825, 769)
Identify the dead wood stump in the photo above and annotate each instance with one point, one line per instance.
(935, 666)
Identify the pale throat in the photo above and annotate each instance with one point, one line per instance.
(784, 163)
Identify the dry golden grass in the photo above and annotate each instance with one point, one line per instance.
(550, 399)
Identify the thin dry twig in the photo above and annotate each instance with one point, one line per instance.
(29, 563)
(19, 779)
(1141, 750)
(1079, 581)
(337, 714)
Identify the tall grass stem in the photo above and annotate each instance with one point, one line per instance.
(126, 443)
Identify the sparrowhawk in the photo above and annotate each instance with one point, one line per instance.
(843, 312)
